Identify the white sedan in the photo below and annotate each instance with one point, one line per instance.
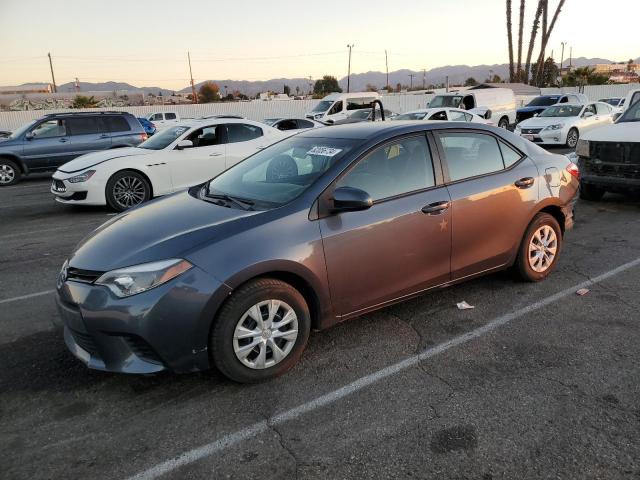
(443, 115)
(563, 123)
(173, 159)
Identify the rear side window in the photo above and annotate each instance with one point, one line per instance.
(157, 117)
(603, 109)
(242, 132)
(470, 154)
(393, 169)
(83, 126)
(170, 116)
(509, 155)
(116, 124)
(305, 124)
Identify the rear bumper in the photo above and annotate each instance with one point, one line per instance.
(611, 183)
(166, 328)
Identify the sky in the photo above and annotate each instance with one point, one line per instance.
(145, 43)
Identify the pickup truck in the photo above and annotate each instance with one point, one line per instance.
(163, 120)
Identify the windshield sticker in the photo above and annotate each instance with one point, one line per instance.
(324, 151)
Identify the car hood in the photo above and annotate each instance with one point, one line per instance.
(91, 159)
(162, 229)
(545, 121)
(531, 109)
(617, 132)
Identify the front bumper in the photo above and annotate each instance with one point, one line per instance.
(165, 328)
(546, 137)
(91, 192)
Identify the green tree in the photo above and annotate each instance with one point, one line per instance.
(494, 79)
(549, 73)
(209, 92)
(371, 88)
(286, 90)
(327, 84)
(584, 76)
(82, 101)
(470, 82)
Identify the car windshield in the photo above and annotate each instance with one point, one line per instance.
(562, 111)
(23, 129)
(164, 138)
(611, 101)
(632, 114)
(270, 121)
(411, 116)
(445, 101)
(323, 106)
(364, 114)
(543, 101)
(281, 172)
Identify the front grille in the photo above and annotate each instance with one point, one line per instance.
(84, 276)
(614, 159)
(85, 341)
(531, 131)
(77, 196)
(141, 348)
(59, 186)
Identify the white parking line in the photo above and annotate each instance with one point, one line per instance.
(25, 297)
(71, 228)
(229, 440)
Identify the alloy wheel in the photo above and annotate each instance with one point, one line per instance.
(129, 192)
(572, 139)
(7, 174)
(542, 249)
(265, 334)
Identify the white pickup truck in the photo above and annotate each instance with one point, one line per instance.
(163, 120)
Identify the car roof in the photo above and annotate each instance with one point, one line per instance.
(194, 122)
(369, 130)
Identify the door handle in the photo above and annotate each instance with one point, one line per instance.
(526, 182)
(63, 140)
(104, 135)
(436, 208)
(262, 147)
(215, 154)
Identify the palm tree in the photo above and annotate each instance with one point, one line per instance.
(510, 40)
(520, 36)
(547, 31)
(532, 39)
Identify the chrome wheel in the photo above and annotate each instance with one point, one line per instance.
(572, 138)
(7, 174)
(129, 191)
(265, 334)
(542, 249)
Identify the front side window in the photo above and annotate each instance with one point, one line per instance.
(394, 169)
(83, 126)
(242, 132)
(287, 125)
(206, 136)
(50, 128)
(279, 173)
(337, 108)
(441, 115)
(470, 154)
(590, 108)
(157, 117)
(359, 103)
(632, 114)
(603, 109)
(441, 101)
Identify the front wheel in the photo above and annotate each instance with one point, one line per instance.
(540, 248)
(9, 172)
(572, 138)
(504, 123)
(260, 332)
(126, 190)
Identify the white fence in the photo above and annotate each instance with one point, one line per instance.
(255, 110)
(596, 92)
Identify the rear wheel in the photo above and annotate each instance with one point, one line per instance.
(572, 138)
(261, 331)
(9, 172)
(591, 192)
(504, 123)
(540, 248)
(126, 190)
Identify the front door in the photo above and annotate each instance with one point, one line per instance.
(493, 190)
(400, 245)
(48, 145)
(203, 161)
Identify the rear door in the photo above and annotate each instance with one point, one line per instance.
(244, 139)
(119, 131)
(49, 145)
(493, 192)
(87, 135)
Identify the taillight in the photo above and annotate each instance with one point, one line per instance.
(144, 136)
(573, 169)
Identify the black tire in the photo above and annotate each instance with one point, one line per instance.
(9, 172)
(591, 193)
(572, 138)
(523, 266)
(139, 192)
(221, 342)
(504, 123)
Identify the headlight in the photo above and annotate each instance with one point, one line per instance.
(557, 126)
(518, 127)
(83, 177)
(583, 148)
(129, 281)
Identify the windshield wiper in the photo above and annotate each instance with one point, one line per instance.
(242, 203)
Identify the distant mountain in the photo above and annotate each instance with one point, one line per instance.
(255, 87)
(110, 87)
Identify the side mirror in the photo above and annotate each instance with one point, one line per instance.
(587, 114)
(184, 144)
(29, 136)
(488, 114)
(537, 114)
(349, 199)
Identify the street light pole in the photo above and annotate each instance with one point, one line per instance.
(562, 60)
(386, 61)
(349, 68)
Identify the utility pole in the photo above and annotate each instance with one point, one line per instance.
(386, 61)
(193, 87)
(411, 75)
(447, 84)
(77, 85)
(53, 78)
(424, 79)
(349, 68)
(562, 57)
(570, 57)
(310, 85)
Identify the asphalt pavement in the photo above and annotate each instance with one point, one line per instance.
(534, 382)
